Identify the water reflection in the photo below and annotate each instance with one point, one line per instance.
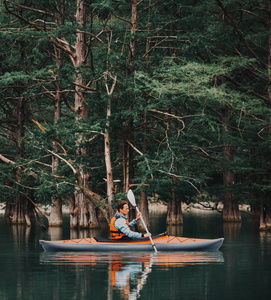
(21, 234)
(265, 243)
(231, 230)
(128, 272)
(55, 233)
(175, 230)
(242, 272)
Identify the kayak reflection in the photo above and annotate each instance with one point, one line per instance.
(164, 259)
(128, 272)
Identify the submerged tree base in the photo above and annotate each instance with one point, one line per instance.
(265, 217)
(232, 219)
(266, 227)
(175, 222)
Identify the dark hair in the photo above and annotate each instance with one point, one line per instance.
(121, 204)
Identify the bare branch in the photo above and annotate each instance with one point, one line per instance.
(170, 115)
(33, 9)
(6, 160)
(182, 179)
(113, 84)
(122, 19)
(63, 159)
(140, 154)
(240, 32)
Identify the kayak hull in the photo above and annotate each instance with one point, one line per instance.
(162, 242)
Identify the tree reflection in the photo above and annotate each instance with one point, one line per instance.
(231, 230)
(175, 230)
(128, 272)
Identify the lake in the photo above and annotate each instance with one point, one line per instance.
(241, 269)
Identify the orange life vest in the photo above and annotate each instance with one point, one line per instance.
(115, 233)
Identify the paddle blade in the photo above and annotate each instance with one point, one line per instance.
(131, 197)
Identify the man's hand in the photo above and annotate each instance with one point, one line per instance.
(147, 234)
(138, 216)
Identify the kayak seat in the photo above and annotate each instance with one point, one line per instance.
(105, 240)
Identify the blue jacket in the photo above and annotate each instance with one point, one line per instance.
(121, 224)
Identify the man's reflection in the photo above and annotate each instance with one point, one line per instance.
(129, 272)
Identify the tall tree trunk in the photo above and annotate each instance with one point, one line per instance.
(109, 171)
(143, 202)
(133, 32)
(231, 211)
(255, 210)
(127, 158)
(83, 215)
(55, 218)
(127, 151)
(144, 209)
(21, 211)
(108, 163)
(265, 217)
(174, 210)
(129, 128)
(18, 211)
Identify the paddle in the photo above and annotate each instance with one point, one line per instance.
(131, 198)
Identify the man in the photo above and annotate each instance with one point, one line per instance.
(120, 228)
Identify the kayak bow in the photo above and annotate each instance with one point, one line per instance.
(163, 242)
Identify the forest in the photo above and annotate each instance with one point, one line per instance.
(171, 99)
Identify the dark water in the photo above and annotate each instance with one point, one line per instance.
(240, 270)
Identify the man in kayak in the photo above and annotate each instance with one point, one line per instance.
(120, 228)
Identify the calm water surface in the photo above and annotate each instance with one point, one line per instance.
(240, 270)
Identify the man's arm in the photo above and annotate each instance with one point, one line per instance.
(124, 228)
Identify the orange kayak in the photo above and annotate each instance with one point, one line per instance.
(163, 242)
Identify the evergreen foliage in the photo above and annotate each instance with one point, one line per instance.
(192, 62)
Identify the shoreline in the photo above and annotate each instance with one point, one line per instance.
(158, 207)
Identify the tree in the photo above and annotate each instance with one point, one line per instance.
(168, 98)
(245, 20)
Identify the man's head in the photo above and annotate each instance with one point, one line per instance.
(123, 207)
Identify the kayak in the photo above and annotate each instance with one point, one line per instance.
(163, 242)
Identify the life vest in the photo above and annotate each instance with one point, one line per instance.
(115, 233)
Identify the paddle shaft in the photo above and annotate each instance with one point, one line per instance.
(143, 222)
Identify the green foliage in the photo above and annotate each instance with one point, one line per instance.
(191, 65)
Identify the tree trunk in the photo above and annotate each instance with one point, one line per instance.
(18, 209)
(107, 150)
(255, 210)
(81, 216)
(174, 210)
(127, 151)
(144, 209)
(231, 211)
(109, 174)
(18, 215)
(126, 161)
(265, 217)
(133, 32)
(55, 218)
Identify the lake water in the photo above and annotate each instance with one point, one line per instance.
(241, 269)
